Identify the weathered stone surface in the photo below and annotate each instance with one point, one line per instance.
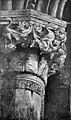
(33, 48)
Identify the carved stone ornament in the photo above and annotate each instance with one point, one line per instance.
(30, 82)
(49, 39)
(33, 44)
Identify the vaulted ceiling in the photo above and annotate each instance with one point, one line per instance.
(54, 8)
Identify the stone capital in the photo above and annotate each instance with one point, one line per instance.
(47, 35)
(33, 47)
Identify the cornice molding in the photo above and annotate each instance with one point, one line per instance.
(31, 15)
(34, 30)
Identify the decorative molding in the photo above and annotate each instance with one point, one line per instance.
(50, 39)
(33, 31)
(30, 82)
(23, 62)
(31, 15)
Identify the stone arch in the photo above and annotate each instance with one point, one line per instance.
(54, 8)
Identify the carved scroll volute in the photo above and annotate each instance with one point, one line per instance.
(58, 53)
(49, 39)
(41, 53)
(17, 33)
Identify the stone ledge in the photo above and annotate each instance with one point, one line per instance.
(30, 15)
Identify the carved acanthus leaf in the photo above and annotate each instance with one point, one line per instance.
(49, 38)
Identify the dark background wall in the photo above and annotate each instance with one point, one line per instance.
(54, 85)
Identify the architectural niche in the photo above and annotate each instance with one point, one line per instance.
(32, 48)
